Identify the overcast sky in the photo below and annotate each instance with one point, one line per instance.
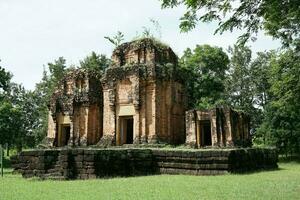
(35, 32)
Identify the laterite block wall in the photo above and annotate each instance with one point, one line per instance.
(96, 163)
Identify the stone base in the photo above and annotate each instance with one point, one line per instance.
(46, 143)
(192, 144)
(94, 163)
(143, 139)
(83, 141)
(71, 142)
(107, 141)
(136, 141)
(153, 139)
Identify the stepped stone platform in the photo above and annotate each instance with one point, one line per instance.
(64, 164)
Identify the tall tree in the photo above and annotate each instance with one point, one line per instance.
(282, 117)
(5, 78)
(260, 76)
(28, 103)
(7, 112)
(207, 66)
(10, 123)
(57, 69)
(279, 18)
(95, 62)
(41, 96)
(240, 85)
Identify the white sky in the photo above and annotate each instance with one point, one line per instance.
(35, 32)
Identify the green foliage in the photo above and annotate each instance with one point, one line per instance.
(260, 75)
(117, 39)
(10, 123)
(283, 112)
(267, 89)
(152, 32)
(4, 79)
(57, 69)
(19, 117)
(207, 66)
(279, 18)
(240, 85)
(95, 62)
(40, 98)
(10, 113)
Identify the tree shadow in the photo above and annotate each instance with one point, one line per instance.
(255, 171)
(294, 158)
(6, 163)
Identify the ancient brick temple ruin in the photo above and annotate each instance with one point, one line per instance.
(217, 127)
(76, 110)
(140, 99)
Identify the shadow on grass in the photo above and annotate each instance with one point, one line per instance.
(7, 172)
(6, 163)
(255, 171)
(294, 158)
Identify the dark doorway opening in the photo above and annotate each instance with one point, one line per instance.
(66, 132)
(126, 130)
(205, 131)
(129, 134)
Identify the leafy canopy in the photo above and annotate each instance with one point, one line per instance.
(4, 79)
(207, 66)
(95, 62)
(279, 18)
(282, 116)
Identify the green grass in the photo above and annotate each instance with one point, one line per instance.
(278, 184)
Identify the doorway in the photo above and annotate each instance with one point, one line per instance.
(65, 134)
(126, 130)
(205, 133)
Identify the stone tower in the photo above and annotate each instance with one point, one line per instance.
(143, 95)
(75, 110)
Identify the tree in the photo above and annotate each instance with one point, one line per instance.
(260, 76)
(10, 123)
(239, 85)
(57, 69)
(260, 79)
(7, 112)
(40, 98)
(247, 85)
(28, 102)
(279, 18)
(95, 62)
(207, 66)
(5, 78)
(282, 116)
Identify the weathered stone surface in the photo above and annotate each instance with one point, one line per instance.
(143, 83)
(85, 163)
(226, 128)
(75, 110)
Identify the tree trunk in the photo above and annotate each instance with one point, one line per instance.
(7, 150)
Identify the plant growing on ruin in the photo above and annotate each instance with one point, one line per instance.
(116, 39)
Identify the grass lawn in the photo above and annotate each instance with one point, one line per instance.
(279, 184)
